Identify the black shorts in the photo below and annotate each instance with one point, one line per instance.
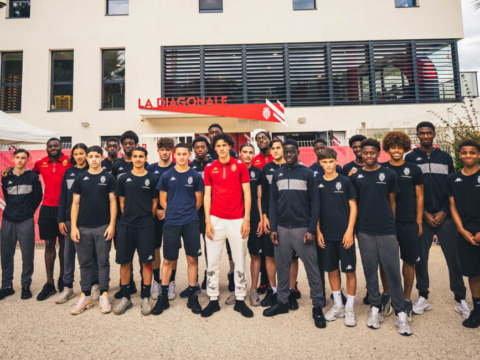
(47, 223)
(158, 232)
(201, 216)
(469, 257)
(334, 253)
(131, 238)
(255, 243)
(172, 235)
(268, 247)
(408, 241)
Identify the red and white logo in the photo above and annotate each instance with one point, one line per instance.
(266, 112)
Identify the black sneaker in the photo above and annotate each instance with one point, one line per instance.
(276, 309)
(473, 320)
(162, 304)
(47, 291)
(292, 300)
(297, 292)
(243, 309)
(366, 300)
(210, 308)
(231, 283)
(204, 283)
(184, 294)
(26, 292)
(193, 304)
(6, 291)
(118, 295)
(262, 289)
(61, 285)
(269, 299)
(318, 317)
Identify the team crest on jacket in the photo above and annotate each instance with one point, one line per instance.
(252, 175)
(190, 180)
(234, 167)
(147, 182)
(65, 162)
(381, 176)
(406, 171)
(338, 185)
(102, 179)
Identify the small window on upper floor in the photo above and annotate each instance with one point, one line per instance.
(304, 5)
(406, 3)
(117, 7)
(210, 5)
(19, 9)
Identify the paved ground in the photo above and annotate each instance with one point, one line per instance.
(40, 330)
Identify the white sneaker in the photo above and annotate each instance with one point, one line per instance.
(156, 289)
(335, 312)
(463, 308)
(146, 307)
(350, 320)
(231, 299)
(95, 292)
(421, 306)
(85, 302)
(65, 295)
(171, 291)
(402, 324)
(375, 318)
(104, 303)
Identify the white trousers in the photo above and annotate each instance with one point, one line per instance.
(226, 229)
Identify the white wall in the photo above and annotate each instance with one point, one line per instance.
(83, 27)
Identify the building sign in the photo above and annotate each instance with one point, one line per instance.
(217, 106)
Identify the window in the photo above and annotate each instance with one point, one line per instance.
(11, 82)
(61, 97)
(316, 74)
(210, 5)
(113, 79)
(19, 9)
(406, 3)
(304, 5)
(117, 7)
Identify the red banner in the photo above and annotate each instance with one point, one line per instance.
(217, 106)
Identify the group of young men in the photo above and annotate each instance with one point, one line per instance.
(270, 205)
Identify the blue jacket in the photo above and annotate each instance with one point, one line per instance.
(294, 199)
(435, 168)
(22, 195)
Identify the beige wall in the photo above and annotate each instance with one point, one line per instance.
(83, 27)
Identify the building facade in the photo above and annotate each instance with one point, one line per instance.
(80, 67)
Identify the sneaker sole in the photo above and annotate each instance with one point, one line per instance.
(244, 315)
(404, 334)
(65, 300)
(350, 325)
(124, 311)
(195, 312)
(155, 297)
(105, 311)
(146, 314)
(82, 309)
(213, 312)
(172, 297)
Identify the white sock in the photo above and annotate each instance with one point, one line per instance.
(337, 298)
(232, 267)
(421, 299)
(274, 289)
(350, 301)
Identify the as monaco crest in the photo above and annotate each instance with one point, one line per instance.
(266, 113)
(252, 175)
(102, 179)
(406, 171)
(381, 176)
(338, 185)
(190, 180)
(147, 182)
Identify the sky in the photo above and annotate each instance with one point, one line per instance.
(469, 47)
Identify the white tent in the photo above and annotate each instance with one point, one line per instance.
(13, 130)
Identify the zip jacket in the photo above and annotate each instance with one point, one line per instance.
(66, 195)
(435, 168)
(23, 194)
(294, 199)
(268, 171)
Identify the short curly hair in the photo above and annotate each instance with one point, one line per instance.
(396, 138)
(165, 142)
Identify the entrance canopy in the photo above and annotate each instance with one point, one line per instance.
(13, 130)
